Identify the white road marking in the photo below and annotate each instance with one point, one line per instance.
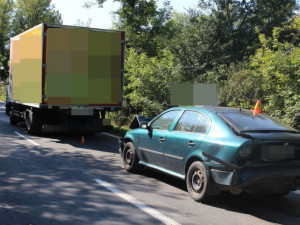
(147, 209)
(26, 138)
(111, 135)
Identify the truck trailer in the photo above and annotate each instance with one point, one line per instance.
(65, 78)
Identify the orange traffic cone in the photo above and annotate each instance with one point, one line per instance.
(257, 109)
(82, 140)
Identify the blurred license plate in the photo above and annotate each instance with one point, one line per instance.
(277, 152)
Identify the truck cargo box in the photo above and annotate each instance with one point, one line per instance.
(56, 65)
(65, 78)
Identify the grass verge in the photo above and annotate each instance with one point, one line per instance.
(119, 130)
(3, 92)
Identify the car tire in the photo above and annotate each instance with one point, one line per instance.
(130, 159)
(197, 181)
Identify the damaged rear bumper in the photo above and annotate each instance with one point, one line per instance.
(259, 179)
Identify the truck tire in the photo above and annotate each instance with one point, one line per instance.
(7, 109)
(13, 119)
(32, 124)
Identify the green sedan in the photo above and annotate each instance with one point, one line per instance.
(215, 149)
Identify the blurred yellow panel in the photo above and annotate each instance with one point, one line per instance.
(16, 92)
(30, 47)
(16, 58)
(27, 66)
(28, 92)
(34, 32)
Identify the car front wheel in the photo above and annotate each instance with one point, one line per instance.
(197, 180)
(130, 159)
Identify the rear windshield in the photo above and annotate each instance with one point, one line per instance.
(244, 120)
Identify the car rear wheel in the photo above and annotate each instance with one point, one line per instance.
(130, 159)
(197, 180)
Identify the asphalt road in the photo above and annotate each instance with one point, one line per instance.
(54, 179)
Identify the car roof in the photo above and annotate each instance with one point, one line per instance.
(216, 109)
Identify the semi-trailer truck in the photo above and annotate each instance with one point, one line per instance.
(65, 78)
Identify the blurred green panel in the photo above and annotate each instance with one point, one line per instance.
(79, 85)
(79, 100)
(181, 94)
(28, 92)
(79, 39)
(99, 66)
(58, 85)
(99, 43)
(116, 90)
(58, 39)
(115, 66)
(58, 62)
(79, 62)
(99, 90)
(116, 43)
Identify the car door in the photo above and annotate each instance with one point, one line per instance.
(183, 139)
(151, 142)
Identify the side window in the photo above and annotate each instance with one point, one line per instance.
(202, 126)
(164, 121)
(188, 121)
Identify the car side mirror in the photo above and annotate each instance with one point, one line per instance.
(144, 125)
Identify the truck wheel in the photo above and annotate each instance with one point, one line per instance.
(7, 110)
(13, 119)
(32, 124)
(197, 180)
(130, 159)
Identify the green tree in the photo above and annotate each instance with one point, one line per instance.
(272, 75)
(221, 32)
(143, 22)
(28, 13)
(147, 83)
(6, 7)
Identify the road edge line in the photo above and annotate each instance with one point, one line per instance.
(111, 135)
(142, 206)
(26, 138)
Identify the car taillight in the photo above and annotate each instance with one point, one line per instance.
(246, 151)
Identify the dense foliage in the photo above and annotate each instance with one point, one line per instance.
(249, 48)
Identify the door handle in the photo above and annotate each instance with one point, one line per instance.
(191, 143)
(161, 139)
